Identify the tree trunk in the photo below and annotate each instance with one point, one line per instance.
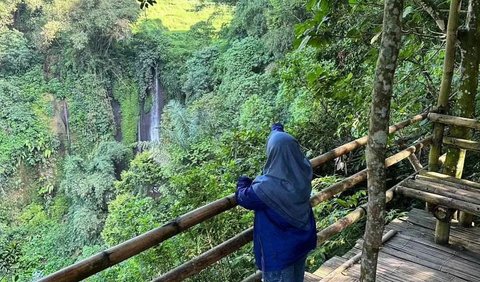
(378, 135)
(465, 106)
(445, 87)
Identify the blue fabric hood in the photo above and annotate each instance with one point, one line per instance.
(285, 185)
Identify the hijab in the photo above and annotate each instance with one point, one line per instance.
(285, 185)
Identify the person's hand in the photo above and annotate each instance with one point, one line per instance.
(277, 127)
(244, 181)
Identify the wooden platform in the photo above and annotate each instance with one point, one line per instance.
(411, 255)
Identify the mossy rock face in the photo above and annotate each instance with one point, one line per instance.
(126, 93)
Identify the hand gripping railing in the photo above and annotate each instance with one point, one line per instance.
(136, 245)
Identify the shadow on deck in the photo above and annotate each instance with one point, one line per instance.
(412, 255)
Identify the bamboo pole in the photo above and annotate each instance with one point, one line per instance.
(125, 250)
(453, 120)
(349, 263)
(213, 255)
(439, 200)
(256, 277)
(446, 85)
(449, 192)
(361, 176)
(360, 142)
(348, 220)
(446, 184)
(415, 162)
(118, 253)
(442, 104)
(204, 260)
(462, 143)
(465, 103)
(450, 179)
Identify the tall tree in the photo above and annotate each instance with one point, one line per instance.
(465, 102)
(378, 136)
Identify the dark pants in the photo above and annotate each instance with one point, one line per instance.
(292, 273)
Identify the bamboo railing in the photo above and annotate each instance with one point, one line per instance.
(453, 120)
(360, 212)
(213, 255)
(136, 245)
(462, 143)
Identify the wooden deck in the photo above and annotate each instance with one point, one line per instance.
(411, 255)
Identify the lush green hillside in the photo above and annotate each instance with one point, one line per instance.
(181, 15)
(77, 81)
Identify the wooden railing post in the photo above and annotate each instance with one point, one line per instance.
(445, 87)
(465, 102)
(443, 227)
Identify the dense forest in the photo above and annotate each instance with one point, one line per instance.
(115, 119)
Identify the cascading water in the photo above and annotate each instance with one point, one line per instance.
(149, 121)
(155, 112)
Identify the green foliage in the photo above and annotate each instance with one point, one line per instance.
(91, 117)
(256, 114)
(126, 93)
(24, 136)
(200, 76)
(250, 19)
(242, 69)
(143, 176)
(16, 56)
(129, 216)
(328, 213)
(89, 182)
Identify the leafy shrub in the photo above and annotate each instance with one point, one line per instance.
(16, 56)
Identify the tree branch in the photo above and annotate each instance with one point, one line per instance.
(429, 7)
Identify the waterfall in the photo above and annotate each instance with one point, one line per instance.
(156, 109)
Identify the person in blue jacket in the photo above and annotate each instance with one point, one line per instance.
(284, 226)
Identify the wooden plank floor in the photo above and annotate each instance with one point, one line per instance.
(411, 255)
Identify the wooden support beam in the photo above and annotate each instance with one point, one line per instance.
(462, 143)
(444, 183)
(415, 162)
(450, 192)
(447, 185)
(450, 179)
(452, 120)
(446, 84)
(439, 200)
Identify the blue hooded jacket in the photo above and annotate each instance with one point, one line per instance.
(284, 226)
